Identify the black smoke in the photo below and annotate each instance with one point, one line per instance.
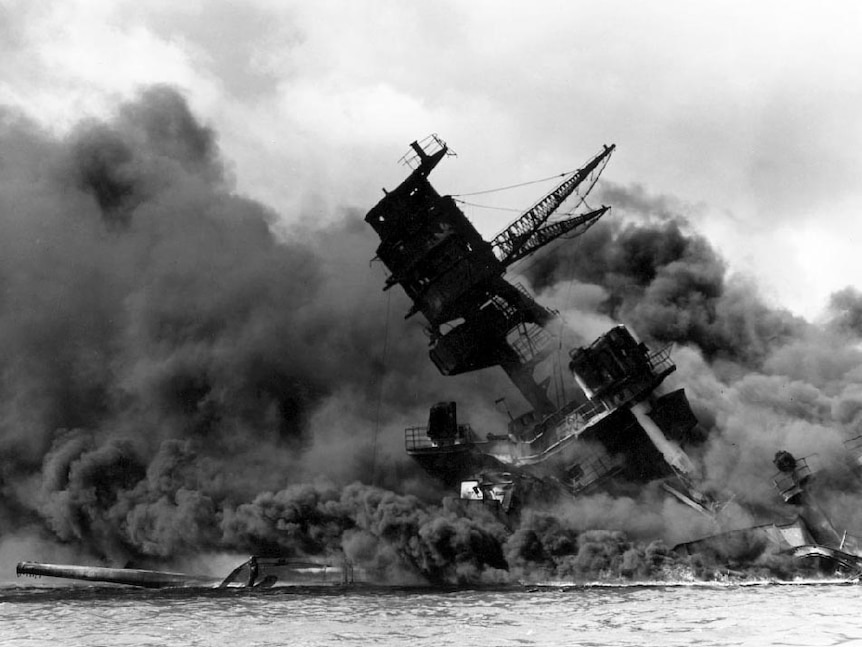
(177, 378)
(668, 283)
(759, 378)
(167, 358)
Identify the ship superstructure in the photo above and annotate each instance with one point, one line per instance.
(617, 429)
(476, 319)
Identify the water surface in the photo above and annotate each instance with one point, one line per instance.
(807, 615)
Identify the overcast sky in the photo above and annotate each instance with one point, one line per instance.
(747, 114)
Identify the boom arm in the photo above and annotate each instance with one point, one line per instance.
(544, 235)
(508, 243)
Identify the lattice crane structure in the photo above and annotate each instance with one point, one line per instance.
(476, 318)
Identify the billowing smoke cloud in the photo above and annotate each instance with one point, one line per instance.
(177, 378)
(667, 282)
(758, 378)
(167, 358)
(846, 310)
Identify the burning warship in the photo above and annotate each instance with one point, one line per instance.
(614, 427)
(618, 432)
(808, 535)
(619, 429)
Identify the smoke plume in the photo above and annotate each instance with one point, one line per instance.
(758, 378)
(178, 379)
(667, 283)
(167, 358)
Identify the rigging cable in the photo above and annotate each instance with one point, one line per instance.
(567, 304)
(513, 186)
(486, 206)
(520, 266)
(380, 390)
(582, 198)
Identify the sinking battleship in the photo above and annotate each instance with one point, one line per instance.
(617, 429)
(806, 533)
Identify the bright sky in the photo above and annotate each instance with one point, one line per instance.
(747, 113)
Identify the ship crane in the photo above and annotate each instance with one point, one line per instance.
(530, 232)
(455, 279)
(619, 427)
(541, 236)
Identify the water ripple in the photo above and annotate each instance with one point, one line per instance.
(599, 616)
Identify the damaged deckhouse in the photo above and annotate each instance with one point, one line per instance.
(617, 430)
(614, 429)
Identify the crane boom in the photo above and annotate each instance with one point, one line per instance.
(509, 242)
(475, 317)
(544, 235)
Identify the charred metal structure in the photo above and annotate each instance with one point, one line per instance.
(476, 319)
(617, 431)
(810, 534)
(260, 572)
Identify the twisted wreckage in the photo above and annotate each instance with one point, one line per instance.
(616, 432)
(610, 427)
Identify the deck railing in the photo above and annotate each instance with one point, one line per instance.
(594, 470)
(790, 484)
(417, 439)
(660, 361)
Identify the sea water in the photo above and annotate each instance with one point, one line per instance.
(668, 615)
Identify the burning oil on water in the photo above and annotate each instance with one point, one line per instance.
(179, 381)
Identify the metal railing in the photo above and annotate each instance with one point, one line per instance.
(430, 145)
(789, 485)
(417, 439)
(531, 341)
(594, 470)
(575, 416)
(520, 288)
(660, 361)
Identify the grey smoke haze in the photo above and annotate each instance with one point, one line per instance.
(758, 378)
(667, 282)
(846, 309)
(177, 378)
(165, 356)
